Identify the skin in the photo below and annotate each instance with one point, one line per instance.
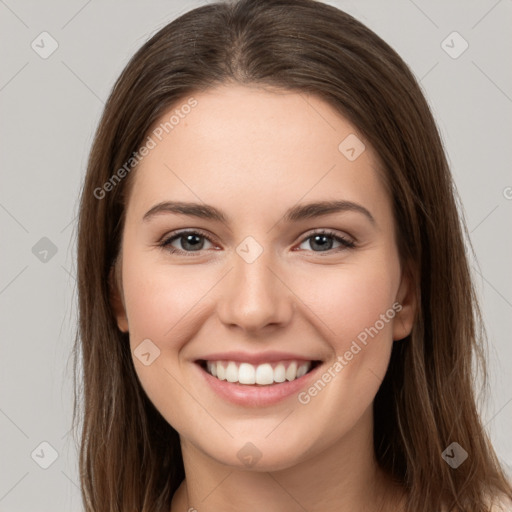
(253, 153)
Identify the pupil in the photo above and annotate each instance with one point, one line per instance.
(190, 240)
(322, 243)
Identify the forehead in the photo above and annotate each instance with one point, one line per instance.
(239, 143)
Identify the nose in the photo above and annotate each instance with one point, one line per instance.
(254, 296)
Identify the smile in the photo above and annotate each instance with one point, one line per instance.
(264, 374)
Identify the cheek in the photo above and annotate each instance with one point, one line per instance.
(356, 305)
(162, 305)
(159, 298)
(352, 299)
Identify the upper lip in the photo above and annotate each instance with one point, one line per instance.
(255, 358)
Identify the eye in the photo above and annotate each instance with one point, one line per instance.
(190, 241)
(194, 241)
(321, 240)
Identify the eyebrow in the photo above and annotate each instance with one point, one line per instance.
(294, 214)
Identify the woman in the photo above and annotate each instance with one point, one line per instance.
(276, 308)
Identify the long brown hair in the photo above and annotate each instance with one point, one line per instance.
(130, 457)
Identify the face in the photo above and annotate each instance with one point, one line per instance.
(251, 284)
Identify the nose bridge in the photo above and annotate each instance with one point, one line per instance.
(253, 296)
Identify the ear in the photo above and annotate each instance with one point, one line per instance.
(406, 297)
(116, 296)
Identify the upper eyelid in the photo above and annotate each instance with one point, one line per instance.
(174, 235)
(168, 238)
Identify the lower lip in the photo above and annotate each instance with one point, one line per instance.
(256, 395)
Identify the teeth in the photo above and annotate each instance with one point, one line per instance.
(301, 371)
(246, 374)
(262, 374)
(279, 373)
(232, 372)
(221, 372)
(291, 372)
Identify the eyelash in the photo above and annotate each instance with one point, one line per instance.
(165, 244)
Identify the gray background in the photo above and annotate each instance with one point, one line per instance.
(49, 109)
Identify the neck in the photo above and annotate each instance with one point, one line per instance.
(341, 477)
